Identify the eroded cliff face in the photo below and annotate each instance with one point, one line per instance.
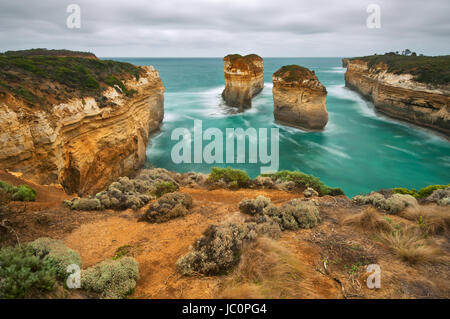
(243, 79)
(79, 144)
(400, 97)
(299, 98)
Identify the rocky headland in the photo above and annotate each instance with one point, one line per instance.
(299, 98)
(243, 79)
(74, 120)
(408, 88)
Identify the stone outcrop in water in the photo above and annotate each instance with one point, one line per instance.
(86, 142)
(243, 79)
(400, 96)
(299, 98)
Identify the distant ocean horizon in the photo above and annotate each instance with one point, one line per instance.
(359, 150)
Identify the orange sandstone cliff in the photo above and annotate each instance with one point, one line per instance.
(299, 98)
(243, 79)
(400, 96)
(83, 143)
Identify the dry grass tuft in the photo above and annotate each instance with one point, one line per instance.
(410, 245)
(431, 219)
(267, 270)
(369, 220)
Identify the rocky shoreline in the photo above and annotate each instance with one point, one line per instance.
(85, 142)
(400, 96)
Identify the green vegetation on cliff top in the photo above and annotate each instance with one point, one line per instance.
(426, 69)
(59, 75)
(294, 72)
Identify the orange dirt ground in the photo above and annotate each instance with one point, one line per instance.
(157, 247)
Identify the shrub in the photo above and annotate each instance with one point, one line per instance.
(112, 279)
(22, 272)
(164, 188)
(85, 204)
(393, 205)
(310, 192)
(397, 202)
(167, 207)
(303, 180)
(135, 193)
(22, 193)
(439, 195)
(235, 178)
(405, 191)
(295, 214)
(47, 248)
(253, 206)
(217, 251)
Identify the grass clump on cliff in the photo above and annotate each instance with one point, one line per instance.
(32, 75)
(426, 69)
(303, 180)
(267, 270)
(234, 178)
(21, 193)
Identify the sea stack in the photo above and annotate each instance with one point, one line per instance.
(299, 98)
(243, 79)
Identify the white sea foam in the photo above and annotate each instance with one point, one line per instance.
(332, 150)
(401, 150)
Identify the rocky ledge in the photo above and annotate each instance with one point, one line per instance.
(55, 130)
(407, 90)
(299, 98)
(243, 79)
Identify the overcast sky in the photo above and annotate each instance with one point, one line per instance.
(201, 28)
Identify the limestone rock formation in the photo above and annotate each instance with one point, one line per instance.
(400, 96)
(243, 79)
(299, 98)
(85, 143)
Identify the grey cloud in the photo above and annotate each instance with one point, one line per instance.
(215, 28)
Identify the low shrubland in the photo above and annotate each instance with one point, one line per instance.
(131, 193)
(425, 69)
(304, 181)
(22, 193)
(78, 74)
(232, 178)
(421, 193)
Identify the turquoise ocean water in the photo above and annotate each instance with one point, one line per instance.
(359, 150)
